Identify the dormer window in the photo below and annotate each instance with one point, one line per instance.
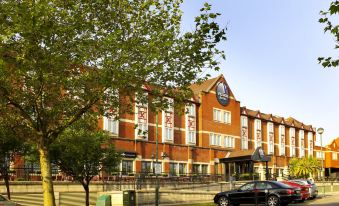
(190, 124)
(257, 133)
(141, 120)
(244, 132)
(302, 143)
(292, 142)
(270, 131)
(168, 121)
(282, 140)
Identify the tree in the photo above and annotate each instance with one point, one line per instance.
(333, 29)
(61, 59)
(83, 152)
(304, 167)
(10, 145)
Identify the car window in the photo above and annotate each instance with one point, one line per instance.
(281, 185)
(261, 185)
(248, 186)
(2, 198)
(270, 186)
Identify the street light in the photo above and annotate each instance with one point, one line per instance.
(320, 131)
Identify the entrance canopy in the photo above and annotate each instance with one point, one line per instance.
(255, 155)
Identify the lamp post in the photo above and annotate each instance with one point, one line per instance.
(320, 131)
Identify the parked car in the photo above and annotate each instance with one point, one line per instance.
(313, 189)
(5, 202)
(271, 193)
(304, 189)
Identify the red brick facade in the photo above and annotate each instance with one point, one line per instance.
(219, 131)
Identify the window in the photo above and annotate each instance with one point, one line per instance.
(196, 169)
(334, 156)
(257, 133)
(282, 139)
(173, 169)
(146, 167)
(320, 155)
(310, 143)
(127, 167)
(215, 139)
(222, 116)
(142, 120)
(248, 186)
(244, 133)
(182, 168)
(302, 143)
(217, 115)
(292, 142)
(270, 128)
(227, 117)
(229, 142)
(190, 124)
(168, 122)
(204, 169)
(111, 125)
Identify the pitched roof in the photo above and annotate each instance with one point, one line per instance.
(290, 121)
(205, 86)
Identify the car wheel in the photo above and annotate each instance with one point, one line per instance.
(272, 201)
(223, 201)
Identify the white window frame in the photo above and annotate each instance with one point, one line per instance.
(302, 143)
(244, 132)
(292, 146)
(228, 141)
(282, 136)
(111, 125)
(168, 132)
(270, 132)
(190, 132)
(257, 133)
(310, 144)
(334, 156)
(222, 116)
(141, 129)
(215, 139)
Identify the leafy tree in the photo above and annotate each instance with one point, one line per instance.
(304, 167)
(333, 29)
(10, 145)
(83, 152)
(61, 59)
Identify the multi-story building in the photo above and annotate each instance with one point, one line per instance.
(210, 138)
(329, 158)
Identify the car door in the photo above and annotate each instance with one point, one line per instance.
(245, 194)
(260, 191)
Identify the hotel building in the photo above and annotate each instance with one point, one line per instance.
(214, 136)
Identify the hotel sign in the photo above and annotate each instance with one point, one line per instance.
(222, 94)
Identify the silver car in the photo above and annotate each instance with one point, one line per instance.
(312, 187)
(5, 202)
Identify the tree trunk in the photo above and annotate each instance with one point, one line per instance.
(85, 184)
(6, 178)
(46, 175)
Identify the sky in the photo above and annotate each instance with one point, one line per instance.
(271, 58)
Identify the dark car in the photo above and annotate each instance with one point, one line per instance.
(271, 193)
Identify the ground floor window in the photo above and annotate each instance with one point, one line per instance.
(196, 169)
(204, 169)
(173, 169)
(146, 167)
(182, 168)
(127, 167)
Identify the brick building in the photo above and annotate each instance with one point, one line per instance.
(215, 127)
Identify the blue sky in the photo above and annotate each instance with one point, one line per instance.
(271, 58)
